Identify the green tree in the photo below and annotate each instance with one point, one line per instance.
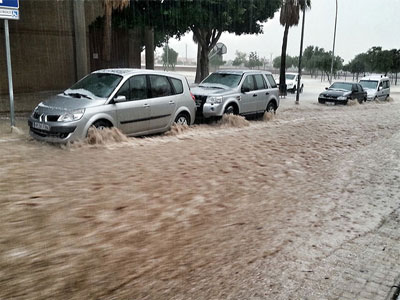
(254, 61)
(396, 63)
(207, 19)
(240, 59)
(290, 62)
(358, 65)
(169, 57)
(290, 15)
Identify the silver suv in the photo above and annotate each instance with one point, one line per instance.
(236, 92)
(138, 102)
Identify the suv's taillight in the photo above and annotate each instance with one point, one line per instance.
(193, 97)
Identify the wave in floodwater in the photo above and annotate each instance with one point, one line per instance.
(388, 99)
(177, 129)
(228, 121)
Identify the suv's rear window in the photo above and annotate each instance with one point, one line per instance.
(271, 81)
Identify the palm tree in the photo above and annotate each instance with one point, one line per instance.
(109, 6)
(290, 15)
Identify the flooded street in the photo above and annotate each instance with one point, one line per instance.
(235, 210)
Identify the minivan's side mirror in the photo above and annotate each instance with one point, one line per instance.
(326, 88)
(380, 88)
(119, 98)
(245, 89)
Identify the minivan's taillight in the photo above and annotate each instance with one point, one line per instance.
(193, 97)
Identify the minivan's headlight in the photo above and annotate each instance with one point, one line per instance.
(214, 100)
(72, 115)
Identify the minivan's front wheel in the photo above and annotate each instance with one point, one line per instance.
(182, 119)
(100, 125)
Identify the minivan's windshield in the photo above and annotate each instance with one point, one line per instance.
(95, 85)
(341, 86)
(369, 84)
(290, 76)
(227, 79)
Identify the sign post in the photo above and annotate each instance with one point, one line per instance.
(9, 9)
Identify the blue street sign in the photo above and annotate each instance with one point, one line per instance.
(12, 4)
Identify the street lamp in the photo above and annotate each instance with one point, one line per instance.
(334, 41)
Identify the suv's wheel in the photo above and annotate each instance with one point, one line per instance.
(229, 110)
(182, 119)
(271, 107)
(100, 125)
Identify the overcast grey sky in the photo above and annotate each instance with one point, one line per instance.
(361, 25)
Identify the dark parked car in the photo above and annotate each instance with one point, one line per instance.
(342, 92)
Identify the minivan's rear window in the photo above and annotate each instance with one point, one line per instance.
(178, 86)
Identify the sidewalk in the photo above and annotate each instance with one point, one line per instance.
(349, 273)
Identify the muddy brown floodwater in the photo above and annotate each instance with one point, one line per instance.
(235, 210)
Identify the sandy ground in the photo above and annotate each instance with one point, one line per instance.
(235, 210)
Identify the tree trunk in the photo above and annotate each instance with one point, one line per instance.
(282, 78)
(198, 72)
(149, 44)
(206, 40)
(135, 60)
(107, 34)
(204, 63)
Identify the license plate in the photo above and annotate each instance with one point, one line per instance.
(330, 103)
(41, 126)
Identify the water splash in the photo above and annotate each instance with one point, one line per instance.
(233, 121)
(17, 131)
(177, 129)
(105, 136)
(268, 116)
(353, 102)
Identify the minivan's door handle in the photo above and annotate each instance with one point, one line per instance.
(171, 102)
(146, 105)
(267, 93)
(254, 95)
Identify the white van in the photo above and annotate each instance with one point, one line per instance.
(376, 86)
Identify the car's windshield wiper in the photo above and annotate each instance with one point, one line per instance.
(78, 95)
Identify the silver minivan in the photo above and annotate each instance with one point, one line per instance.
(138, 102)
(377, 87)
(242, 92)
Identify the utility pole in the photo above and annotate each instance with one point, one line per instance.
(301, 55)
(334, 41)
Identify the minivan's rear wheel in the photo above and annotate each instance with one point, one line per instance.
(182, 119)
(100, 125)
(230, 110)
